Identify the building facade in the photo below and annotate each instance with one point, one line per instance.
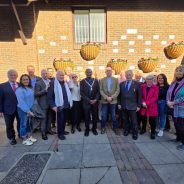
(127, 29)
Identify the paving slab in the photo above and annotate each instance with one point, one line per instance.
(76, 138)
(69, 156)
(171, 174)
(98, 155)
(96, 139)
(107, 175)
(156, 153)
(171, 146)
(62, 176)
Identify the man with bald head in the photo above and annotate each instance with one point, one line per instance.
(90, 93)
(8, 105)
(60, 100)
(130, 103)
(41, 90)
(109, 90)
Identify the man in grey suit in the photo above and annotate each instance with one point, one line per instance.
(41, 89)
(130, 103)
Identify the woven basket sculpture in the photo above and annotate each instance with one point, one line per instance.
(89, 51)
(117, 65)
(174, 52)
(61, 64)
(147, 65)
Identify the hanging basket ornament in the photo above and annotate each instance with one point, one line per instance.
(117, 65)
(174, 50)
(89, 51)
(60, 64)
(147, 65)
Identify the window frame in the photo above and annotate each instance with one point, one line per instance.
(88, 8)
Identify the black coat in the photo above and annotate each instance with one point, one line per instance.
(85, 91)
(132, 99)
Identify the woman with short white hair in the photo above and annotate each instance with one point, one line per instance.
(149, 108)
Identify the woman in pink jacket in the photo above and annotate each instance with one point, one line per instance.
(149, 108)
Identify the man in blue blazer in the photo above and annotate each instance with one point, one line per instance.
(8, 105)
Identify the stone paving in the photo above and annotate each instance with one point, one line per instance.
(102, 159)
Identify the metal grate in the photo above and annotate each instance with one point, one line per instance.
(27, 170)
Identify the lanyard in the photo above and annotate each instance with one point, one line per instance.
(90, 85)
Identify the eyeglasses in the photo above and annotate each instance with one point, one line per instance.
(74, 77)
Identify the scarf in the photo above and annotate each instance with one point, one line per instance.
(59, 94)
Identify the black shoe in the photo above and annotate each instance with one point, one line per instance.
(79, 129)
(115, 131)
(135, 137)
(72, 130)
(152, 136)
(95, 132)
(126, 133)
(61, 137)
(86, 133)
(51, 132)
(142, 132)
(103, 131)
(66, 133)
(44, 137)
(13, 141)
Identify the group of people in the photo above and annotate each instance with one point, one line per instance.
(131, 101)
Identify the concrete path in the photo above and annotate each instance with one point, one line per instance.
(102, 159)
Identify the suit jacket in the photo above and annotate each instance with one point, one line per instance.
(41, 94)
(132, 99)
(8, 99)
(114, 90)
(85, 91)
(151, 101)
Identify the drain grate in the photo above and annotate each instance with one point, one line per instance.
(27, 170)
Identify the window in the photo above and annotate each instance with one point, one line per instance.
(90, 25)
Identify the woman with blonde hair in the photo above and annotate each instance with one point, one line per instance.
(175, 101)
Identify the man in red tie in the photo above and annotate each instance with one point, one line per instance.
(8, 105)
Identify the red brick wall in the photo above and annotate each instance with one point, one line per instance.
(50, 21)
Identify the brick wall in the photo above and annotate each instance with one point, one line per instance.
(44, 24)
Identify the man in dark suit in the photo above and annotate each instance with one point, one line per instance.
(130, 103)
(8, 105)
(52, 114)
(31, 73)
(90, 93)
(41, 89)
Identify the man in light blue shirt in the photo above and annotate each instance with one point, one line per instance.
(31, 73)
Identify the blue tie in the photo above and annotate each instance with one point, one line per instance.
(127, 85)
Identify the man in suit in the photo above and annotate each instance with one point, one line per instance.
(52, 114)
(60, 100)
(90, 93)
(8, 105)
(130, 103)
(41, 89)
(31, 73)
(109, 90)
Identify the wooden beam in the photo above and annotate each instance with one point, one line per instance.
(20, 29)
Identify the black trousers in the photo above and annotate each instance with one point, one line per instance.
(152, 122)
(90, 111)
(61, 121)
(138, 119)
(130, 120)
(46, 122)
(180, 132)
(76, 113)
(9, 120)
